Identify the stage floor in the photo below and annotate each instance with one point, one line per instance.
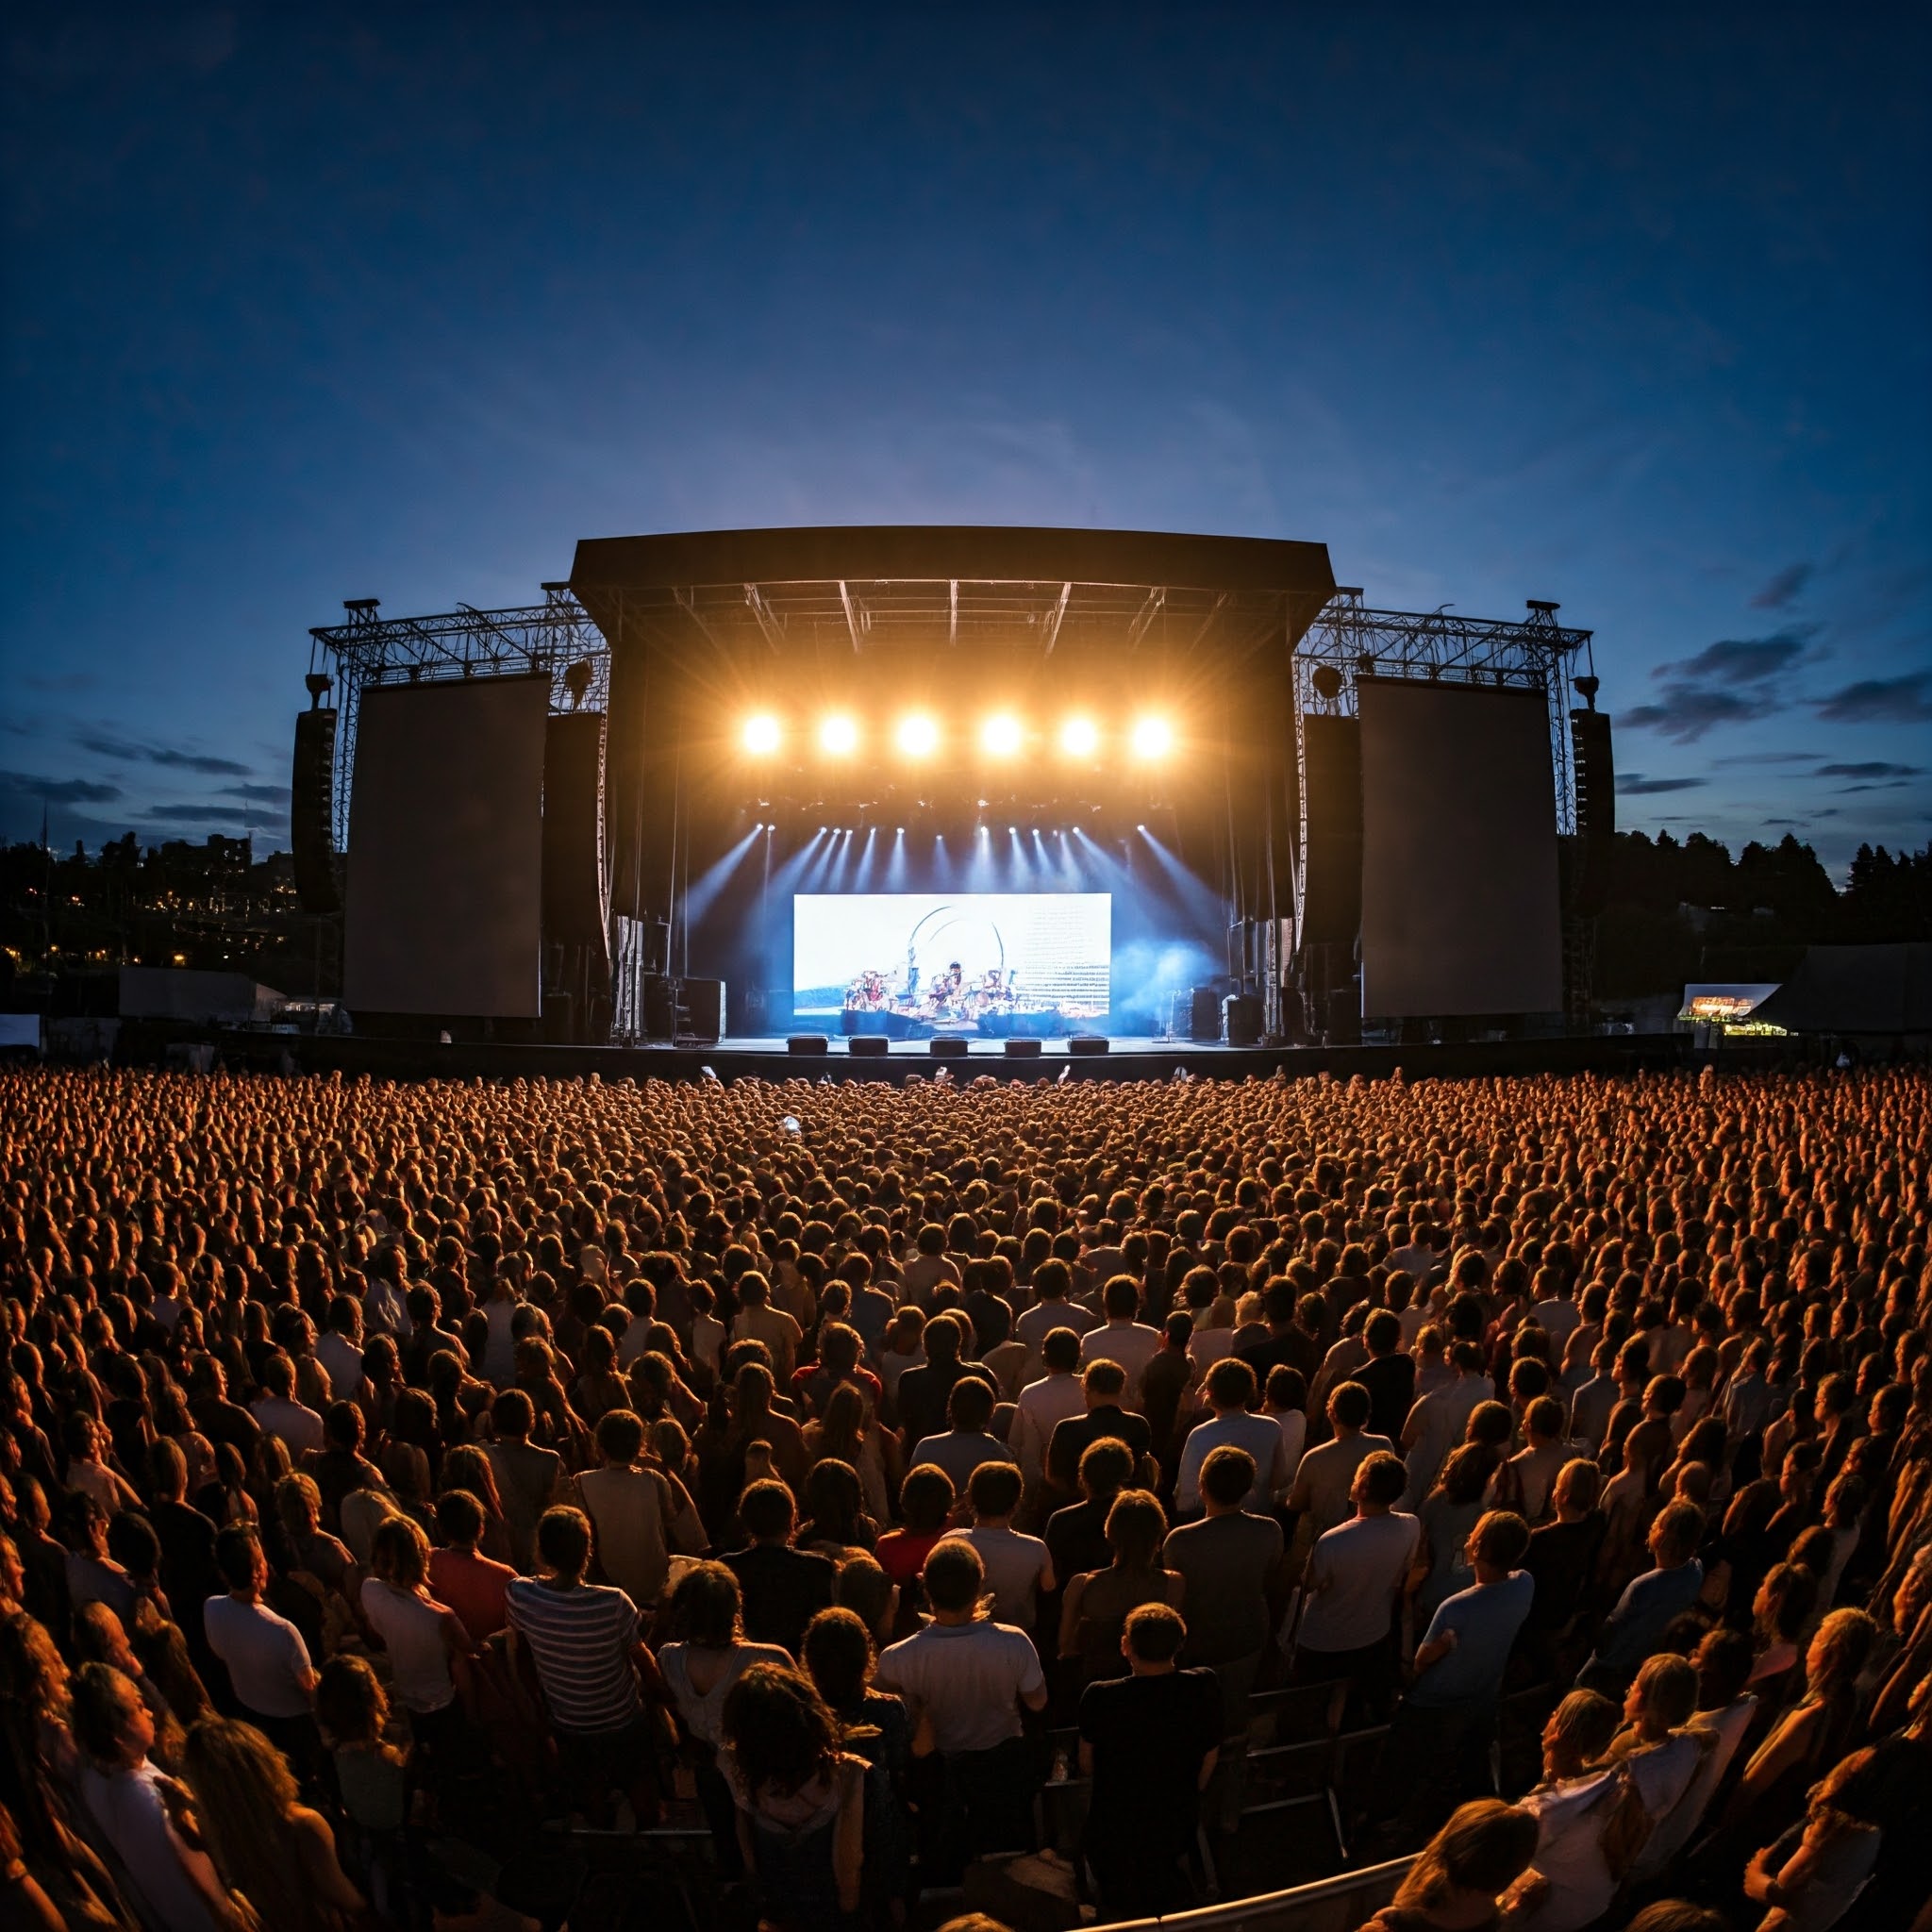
(976, 1049)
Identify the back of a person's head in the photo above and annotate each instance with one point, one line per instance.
(1053, 1280)
(1060, 1351)
(236, 1549)
(1231, 1384)
(777, 1727)
(1584, 1723)
(1383, 1478)
(926, 1498)
(1544, 1418)
(1680, 1530)
(970, 1405)
(1154, 1633)
(1678, 1915)
(1382, 1332)
(767, 1511)
(1499, 1539)
(994, 1488)
(1349, 1406)
(1106, 1379)
(863, 1588)
(704, 1605)
(944, 1337)
(349, 1700)
(1227, 1476)
(399, 1552)
(459, 1517)
(514, 1413)
(1121, 1298)
(1288, 1389)
(620, 1435)
(103, 1704)
(1105, 1467)
(564, 1540)
(1667, 1687)
(953, 1575)
(1136, 1528)
(1484, 1849)
(837, 1651)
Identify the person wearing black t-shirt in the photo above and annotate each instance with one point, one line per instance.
(1149, 1742)
(1388, 1374)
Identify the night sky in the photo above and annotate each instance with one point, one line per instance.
(304, 304)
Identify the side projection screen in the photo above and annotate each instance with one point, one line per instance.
(1461, 914)
(953, 958)
(446, 869)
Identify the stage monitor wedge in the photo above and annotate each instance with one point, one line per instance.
(445, 870)
(1460, 904)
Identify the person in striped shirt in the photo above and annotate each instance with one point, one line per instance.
(587, 1647)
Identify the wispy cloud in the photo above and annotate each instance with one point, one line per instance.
(1635, 785)
(258, 794)
(1869, 767)
(128, 753)
(60, 790)
(1905, 700)
(1688, 712)
(1768, 758)
(1784, 588)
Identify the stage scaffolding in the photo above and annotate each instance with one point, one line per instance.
(1349, 641)
(557, 636)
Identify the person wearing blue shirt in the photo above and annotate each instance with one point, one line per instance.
(1438, 1744)
(1649, 1603)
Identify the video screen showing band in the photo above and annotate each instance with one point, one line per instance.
(917, 965)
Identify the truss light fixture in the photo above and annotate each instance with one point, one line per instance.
(1079, 737)
(839, 735)
(918, 735)
(1152, 739)
(1001, 735)
(763, 734)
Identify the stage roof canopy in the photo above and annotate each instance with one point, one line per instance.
(817, 594)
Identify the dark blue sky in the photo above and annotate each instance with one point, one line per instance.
(303, 304)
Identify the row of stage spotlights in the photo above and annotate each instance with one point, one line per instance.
(917, 735)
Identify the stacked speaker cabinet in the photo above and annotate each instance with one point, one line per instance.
(312, 808)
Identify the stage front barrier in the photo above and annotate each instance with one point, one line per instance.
(1331, 1904)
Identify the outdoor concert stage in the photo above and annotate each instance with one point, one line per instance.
(951, 785)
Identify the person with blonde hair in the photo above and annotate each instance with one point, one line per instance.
(1589, 1820)
(269, 1847)
(1460, 1875)
(429, 1647)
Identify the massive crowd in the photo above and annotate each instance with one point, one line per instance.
(389, 1472)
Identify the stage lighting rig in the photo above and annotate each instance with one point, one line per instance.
(1079, 737)
(762, 735)
(1152, 738)
(918, 735)
(839, 735)
(1001, 735)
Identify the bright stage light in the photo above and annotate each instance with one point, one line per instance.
(1079, 737)
(1001, 735)
(839, 735)
(763, 734)
(918, 735)
(1153, 738)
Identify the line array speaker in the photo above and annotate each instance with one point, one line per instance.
(310, 812)
(1331, 905)
(1596, 809)
(573, 910)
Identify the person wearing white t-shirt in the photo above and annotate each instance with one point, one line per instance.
(174, 1884)
(1233, 1425)
(1353, 1583)
(280, 1413)
(428, 1648)
(1122, 1339)
(1018, 1569)
(1047, 1403)
(268, 1662)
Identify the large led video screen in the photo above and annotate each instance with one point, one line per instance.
(918, 964)
(1461, 914)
